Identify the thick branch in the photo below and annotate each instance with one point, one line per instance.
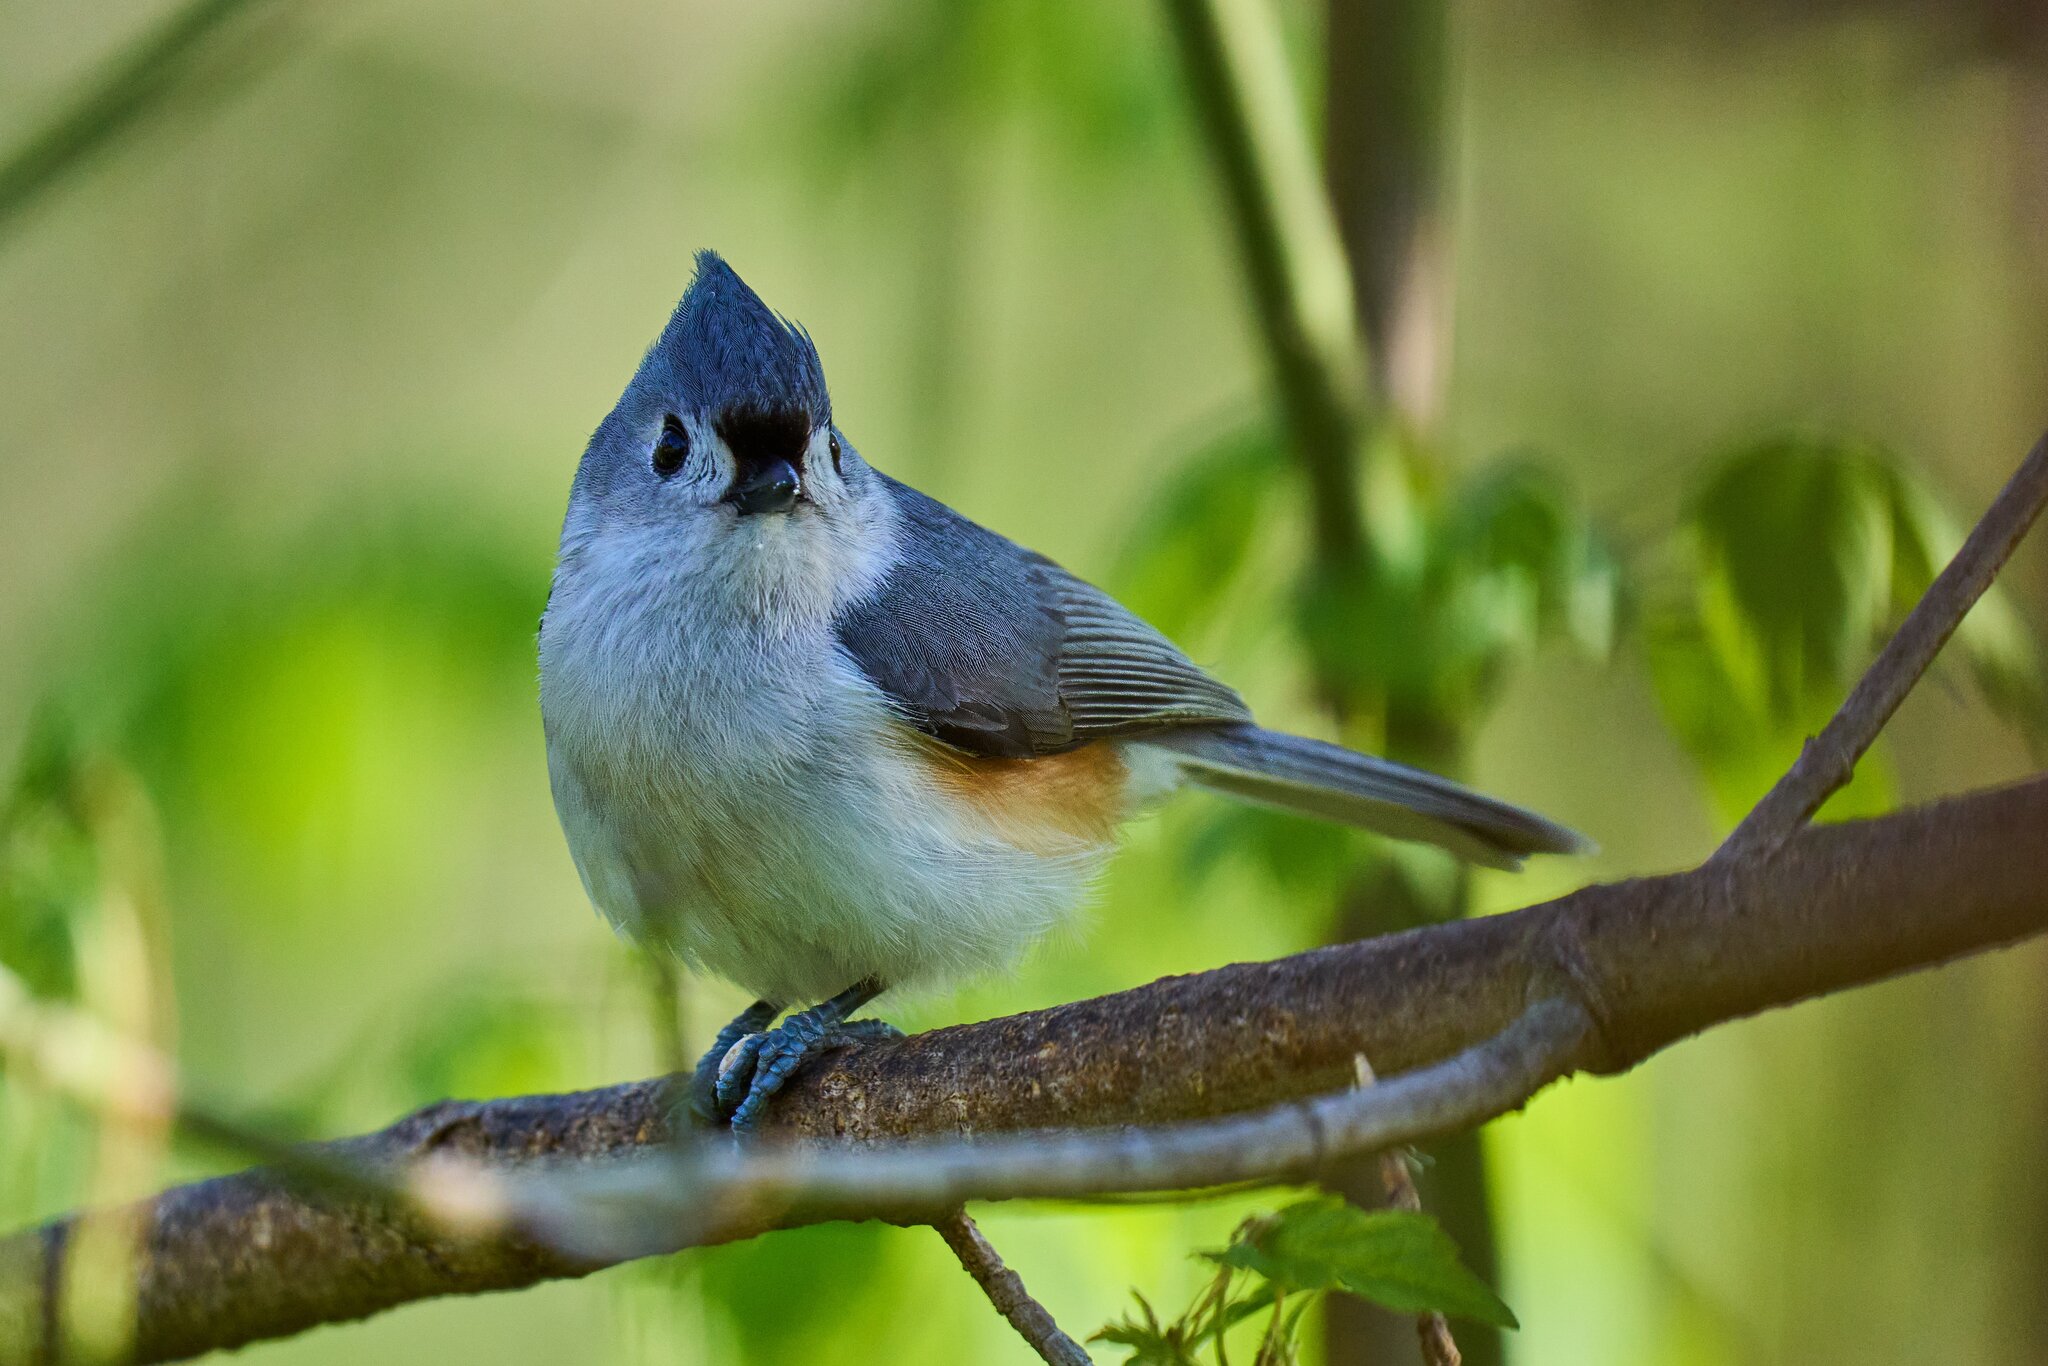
(1650, 961)
(1828, 760)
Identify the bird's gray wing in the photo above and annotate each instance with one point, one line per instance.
(997, 651)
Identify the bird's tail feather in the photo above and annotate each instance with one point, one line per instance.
(1335, 784)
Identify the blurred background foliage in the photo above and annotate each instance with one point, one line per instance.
(1741, 311)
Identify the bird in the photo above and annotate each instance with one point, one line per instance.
(819, 734)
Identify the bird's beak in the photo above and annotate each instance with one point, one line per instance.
(770, 486)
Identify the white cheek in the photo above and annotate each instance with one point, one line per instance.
(713, 476)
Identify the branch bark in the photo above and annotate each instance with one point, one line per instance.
(1650, 961)
(716, 1192)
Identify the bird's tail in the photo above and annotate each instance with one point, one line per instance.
(1334, 784)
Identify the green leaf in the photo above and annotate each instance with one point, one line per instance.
(1402, 1260)
(1794, 540)
(1799, 555)
(1150, 1344)
(1236, 1311)
(1148, 1348)
(1127, 1334)
(1516, 532)
(1503, 563)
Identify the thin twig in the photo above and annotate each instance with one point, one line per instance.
(1439, 1348)
(1829, 759)
(1005, 1290)
(121, 979)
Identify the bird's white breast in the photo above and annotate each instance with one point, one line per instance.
(735, 790)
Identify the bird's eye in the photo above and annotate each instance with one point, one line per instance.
(671, 448)
(833, 442)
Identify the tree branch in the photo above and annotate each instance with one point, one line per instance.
(1829, 759)
(1005, 1290)
(244, 1257)
(716, 1192)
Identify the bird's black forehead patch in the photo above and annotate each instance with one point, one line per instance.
(755, 432)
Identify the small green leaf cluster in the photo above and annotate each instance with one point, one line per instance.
(1456, 585)
(1792, 561)
(1425, 629)
(1460, 580)
(1787, 565)
(1278, 1265)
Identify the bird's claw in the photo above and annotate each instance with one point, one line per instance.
(755, 1067)
(736, 1070)
(704, 1109)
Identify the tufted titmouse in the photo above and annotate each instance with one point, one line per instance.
(812, 731)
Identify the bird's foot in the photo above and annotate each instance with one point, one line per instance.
(755, 1067)
(701, 1108)
(760, 1064)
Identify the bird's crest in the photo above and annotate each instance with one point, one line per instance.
(733, 355)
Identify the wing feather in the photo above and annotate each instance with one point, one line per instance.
(998, 651)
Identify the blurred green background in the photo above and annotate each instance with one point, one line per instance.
(294, 374)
